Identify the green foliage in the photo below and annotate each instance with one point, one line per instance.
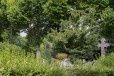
(108, 22)
(68, 26)
(5, 36)
(9, 47)
(13, 62)
(101, 67)
(58, 15)
(46, 49)
(56, 10)
(78, 36)
(107, 61)
(61, 56)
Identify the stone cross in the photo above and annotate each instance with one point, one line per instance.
(103, 45)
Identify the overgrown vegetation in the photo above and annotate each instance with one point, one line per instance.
(100, 67)
(13, 62)
(55, 30)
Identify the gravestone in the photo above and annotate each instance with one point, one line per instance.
(47, 52)
(37, 52)
(103, 45)
(66, 63)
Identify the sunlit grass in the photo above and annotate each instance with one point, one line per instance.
(14, 62)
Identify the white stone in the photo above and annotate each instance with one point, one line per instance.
(66, 63)
(23, 34)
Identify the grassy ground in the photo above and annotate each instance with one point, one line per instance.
(13, 62)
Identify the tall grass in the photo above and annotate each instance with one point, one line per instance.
(101, 67)
(13, 62)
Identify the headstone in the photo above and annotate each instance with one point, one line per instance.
(48, 52)
(103, 45)
(37, 52)
(66, 63)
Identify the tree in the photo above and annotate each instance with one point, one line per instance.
(73, 26)
(78, 36)
(56, 11)
(108, 23)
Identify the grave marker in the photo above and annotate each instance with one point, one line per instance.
(103, 45)
(66, 63)
(37, 52)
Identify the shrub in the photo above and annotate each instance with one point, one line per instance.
(101, 67)
(15, 63)
(61, 56)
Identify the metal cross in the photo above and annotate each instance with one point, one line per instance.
(103, 45)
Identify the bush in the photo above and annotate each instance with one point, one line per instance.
(15, 63)
(101, 67)
(61, 56)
